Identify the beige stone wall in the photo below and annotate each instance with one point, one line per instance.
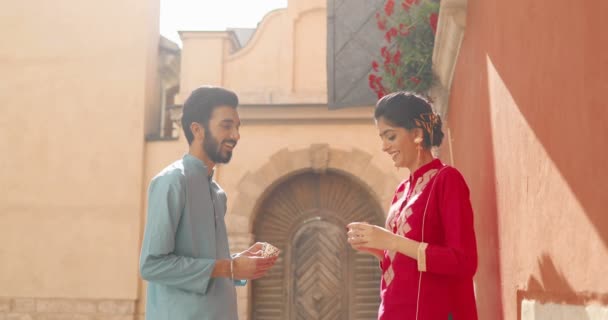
(283, 63)
(74, 84)
(81, 309)
(263, 66)
(310, 76)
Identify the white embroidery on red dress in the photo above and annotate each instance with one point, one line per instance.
(397, 222)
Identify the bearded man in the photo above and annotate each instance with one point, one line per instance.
(185, 255)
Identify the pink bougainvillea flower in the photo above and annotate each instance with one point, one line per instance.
(404, 30)
(389, 7)
(392, 32)
(372, 81)
(397, 57)
(384, 52)
(433, 21)
(379, 88)
(387, 61)
(381, 21)
(397, 20)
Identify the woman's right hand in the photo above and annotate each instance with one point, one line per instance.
(378, 253)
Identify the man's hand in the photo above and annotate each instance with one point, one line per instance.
(253, 251)
(250, 265)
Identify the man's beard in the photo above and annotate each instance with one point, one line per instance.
(213, 148)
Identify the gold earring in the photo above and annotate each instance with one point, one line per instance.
(418, 140)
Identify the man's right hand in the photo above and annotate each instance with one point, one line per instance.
(248, 267)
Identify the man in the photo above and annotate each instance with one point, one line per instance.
(185, 255)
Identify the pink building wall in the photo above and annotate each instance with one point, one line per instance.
(527, 117)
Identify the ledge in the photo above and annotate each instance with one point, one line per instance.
(450, 33)
(157, 137)
(304, 113)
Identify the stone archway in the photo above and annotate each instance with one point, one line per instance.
(255, 185)
(318, 275)
(381, 182)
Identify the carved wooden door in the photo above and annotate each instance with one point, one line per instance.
(318, 275)
(318, 272)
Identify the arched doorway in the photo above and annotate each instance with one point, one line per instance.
(318, 275)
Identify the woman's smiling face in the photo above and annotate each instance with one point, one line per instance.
(398, 143)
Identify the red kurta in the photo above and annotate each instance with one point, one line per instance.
(440, 283)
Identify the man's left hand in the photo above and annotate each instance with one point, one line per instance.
(254, 251)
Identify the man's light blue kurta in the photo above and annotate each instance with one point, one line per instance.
(185, 234)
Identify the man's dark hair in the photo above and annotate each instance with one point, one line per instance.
(200, 105)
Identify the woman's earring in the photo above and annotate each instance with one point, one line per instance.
(418, 142)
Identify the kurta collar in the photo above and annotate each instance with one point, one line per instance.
(434, 164)
(198, 164)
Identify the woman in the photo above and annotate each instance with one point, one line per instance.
(427, 251)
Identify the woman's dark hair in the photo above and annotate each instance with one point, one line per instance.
(200, 105)
(408, 110)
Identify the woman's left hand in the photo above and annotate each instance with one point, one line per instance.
(362, 234)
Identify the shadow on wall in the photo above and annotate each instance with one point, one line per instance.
(471, 139)
(553, 287)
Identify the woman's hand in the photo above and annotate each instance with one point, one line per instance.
(370, 238)
(374, 252)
